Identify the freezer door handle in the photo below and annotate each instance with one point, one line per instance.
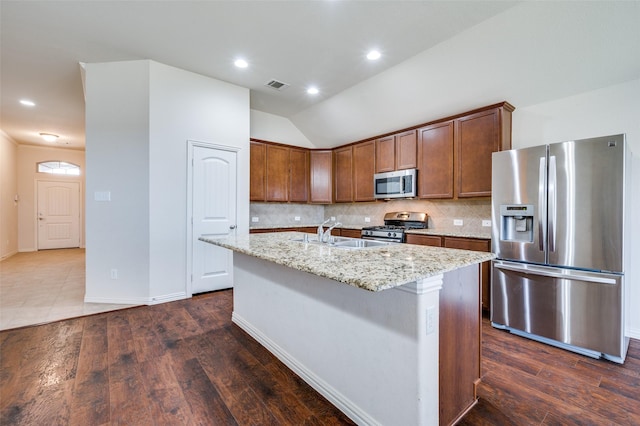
(532, 270)
(542, 190)
(552, 203)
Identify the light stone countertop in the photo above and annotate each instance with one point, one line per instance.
(484, 234)
(301, 225)
(373, 268)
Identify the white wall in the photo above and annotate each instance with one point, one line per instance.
(602, 112)
(275, 128)
(117, 156)
(28, 157)
(139, 117)
(186, 106)
(8, 190)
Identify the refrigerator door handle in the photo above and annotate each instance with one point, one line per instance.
(542, 190)
(532, 270)
(552, 203)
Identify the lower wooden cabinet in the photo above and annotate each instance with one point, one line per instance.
(475, 244)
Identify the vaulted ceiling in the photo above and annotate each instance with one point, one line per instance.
(442, 56)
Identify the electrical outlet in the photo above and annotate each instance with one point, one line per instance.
(297, 218)
(255, 219)
(333, 218)
(486, 223)
(114, 274)
(367, 219)
(431, 319)
(457, 222)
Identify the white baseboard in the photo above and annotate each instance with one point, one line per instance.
(138, 300)
(634, 333)
(8, 255)
(336, 398)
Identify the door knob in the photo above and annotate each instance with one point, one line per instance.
(232, 227)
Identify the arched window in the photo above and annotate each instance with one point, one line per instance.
(59, 168)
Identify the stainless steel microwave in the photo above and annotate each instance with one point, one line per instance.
(398, 184)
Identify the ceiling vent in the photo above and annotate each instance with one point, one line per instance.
(275, 84)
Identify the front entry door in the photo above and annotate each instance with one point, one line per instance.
(214, 215)
(58, 215)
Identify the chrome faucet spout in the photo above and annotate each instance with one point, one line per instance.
(321, 231)
(326, 237)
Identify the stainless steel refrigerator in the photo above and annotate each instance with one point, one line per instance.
(558, 214)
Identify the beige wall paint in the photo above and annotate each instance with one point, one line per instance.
(28, 157)
(8, 191)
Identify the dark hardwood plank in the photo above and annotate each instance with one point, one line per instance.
(186, 363)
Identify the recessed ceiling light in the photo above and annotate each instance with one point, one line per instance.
(27, 102)
(241, 63)
(313, 90)
(49, 137)
(373, 55)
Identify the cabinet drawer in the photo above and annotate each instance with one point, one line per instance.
(424, 240)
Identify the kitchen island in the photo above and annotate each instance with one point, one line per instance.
(359, 325)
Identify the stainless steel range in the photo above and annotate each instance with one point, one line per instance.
(395, 225)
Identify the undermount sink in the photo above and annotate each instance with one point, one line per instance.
(344, 242)
(358, 243)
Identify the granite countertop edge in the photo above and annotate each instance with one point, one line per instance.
(444, 232)
(373, 269)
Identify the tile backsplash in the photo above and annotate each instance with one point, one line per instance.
(442, 213)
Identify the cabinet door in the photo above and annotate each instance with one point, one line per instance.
(477, 137)
(320, 179)
(351, 233)
(485, 267)
(343, 175)
(435, 161)
(385, 154)
(364, 155)
(277, 176)
(258, 157)
(424, 240)
(406, 150)
(299, 178)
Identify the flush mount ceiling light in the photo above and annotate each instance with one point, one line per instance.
(27, 102)
(241, 63)
(313, 90)
(373, 55)
(49, 137)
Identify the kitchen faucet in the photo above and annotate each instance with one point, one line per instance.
(321, 231)
(326, 237)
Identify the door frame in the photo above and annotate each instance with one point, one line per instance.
(80, 208)
(189, 219)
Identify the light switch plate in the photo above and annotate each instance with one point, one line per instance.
(457, 222)
(486, 223)
(255, 219)
(297, 218)
(367, 219)
(333, 218)
(102, 196)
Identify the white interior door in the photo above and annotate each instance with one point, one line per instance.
(214, 215)
(58, 215)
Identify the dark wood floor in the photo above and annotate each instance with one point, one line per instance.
(185, 363)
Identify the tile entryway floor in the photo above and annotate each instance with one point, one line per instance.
(45, 286)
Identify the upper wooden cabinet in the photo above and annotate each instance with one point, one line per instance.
(454, 156)
(321, 177)
(257, 162)
(277, 175)
(477, 137)
(299, 175)
(396, 152)
(435, 161)
(343, 174)
(364, 155)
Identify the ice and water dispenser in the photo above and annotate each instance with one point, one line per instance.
(516, 222)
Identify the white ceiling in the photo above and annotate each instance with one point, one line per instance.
(297, 42)
(439, 57)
